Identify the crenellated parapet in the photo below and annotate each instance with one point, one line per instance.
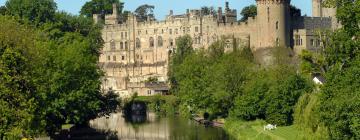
(273, 1)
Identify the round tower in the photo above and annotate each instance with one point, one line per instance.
(273, 19)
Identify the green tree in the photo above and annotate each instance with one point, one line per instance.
(100, 7)
(37, 11)
(2, 10)
(248, 11)
(17, 104)
(144, 11)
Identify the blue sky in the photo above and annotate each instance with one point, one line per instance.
(162, 7)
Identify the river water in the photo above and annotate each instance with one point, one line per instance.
(153, 127)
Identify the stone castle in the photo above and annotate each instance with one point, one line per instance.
(136, 54)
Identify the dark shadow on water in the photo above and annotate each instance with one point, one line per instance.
(85, 133)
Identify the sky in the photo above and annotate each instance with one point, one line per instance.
(162, 7)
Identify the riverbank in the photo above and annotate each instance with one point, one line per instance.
(254, 130)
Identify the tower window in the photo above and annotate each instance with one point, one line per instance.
(112, 45)
(277, 25)
(122, 57)
(160, 41)
(196, 29)
(138, 43)
(121, 45)
(126, 45)
(151, 42)
(114, 58)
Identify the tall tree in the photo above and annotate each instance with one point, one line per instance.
(2, 10)
(100, 7)
(37, 11)
(145, 11)
(248, 11)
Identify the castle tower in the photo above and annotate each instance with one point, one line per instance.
(316, 8)
(273, 21)
(320, 11)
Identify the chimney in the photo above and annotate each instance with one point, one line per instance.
(227, 8)
(115, 9)
(171, 12)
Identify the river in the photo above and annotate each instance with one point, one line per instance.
(153, 127)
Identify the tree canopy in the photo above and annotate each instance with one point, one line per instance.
(248, 11)
(101, 7)
(145, 11)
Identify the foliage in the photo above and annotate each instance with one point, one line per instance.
(251, 11)
(144, 11)
(36, 11)
(17, 104)
(163, 105)
(207, 10)
(248, 11)
(101, 7)
(48, 68)
(2, 10)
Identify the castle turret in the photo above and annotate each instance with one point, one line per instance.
(319, 10)
(273, 19)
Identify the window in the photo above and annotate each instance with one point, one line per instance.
(146, 32)
(170, 31)
(312, 42)
(108, 58)
(126, 45)
(122, 35)
(277, 42)
(277, 25)
(125, 35)
(151, 42)
(160, 41)
(122, 57)
(121, 45)
(138, 43)
(171, 41)
(162, 31)
(114, 58)
(268, 13)
(176, 31)
(196, 29)
(112, 45)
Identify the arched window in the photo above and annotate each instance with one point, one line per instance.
(138, 43)
(126, 45)
(171, 42)
(112, 45)
(151, 42)
(277, 25)
(160, 41)
(121, 45)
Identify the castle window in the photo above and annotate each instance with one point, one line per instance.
(312, 42)
(125, 35)
(277, 25)
(301, 41)
(122, 35)
(160, 41)
(277, 42)
(176, 31)
(151, 42)
(171, 42)
(146, 32)
(126, 45)
(122, 57)
(114, 58)
(108, 57)
(162, 31)
(112, 45)
(138, 43)
(184, 30)
(196, 29)
(268, 13)
(121, 45)
(170, 31)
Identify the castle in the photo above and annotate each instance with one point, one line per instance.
(136, 55)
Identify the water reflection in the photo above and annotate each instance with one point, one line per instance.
(152, 127)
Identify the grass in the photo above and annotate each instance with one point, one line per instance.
(254, 130)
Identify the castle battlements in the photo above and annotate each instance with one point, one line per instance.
(141, 49)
